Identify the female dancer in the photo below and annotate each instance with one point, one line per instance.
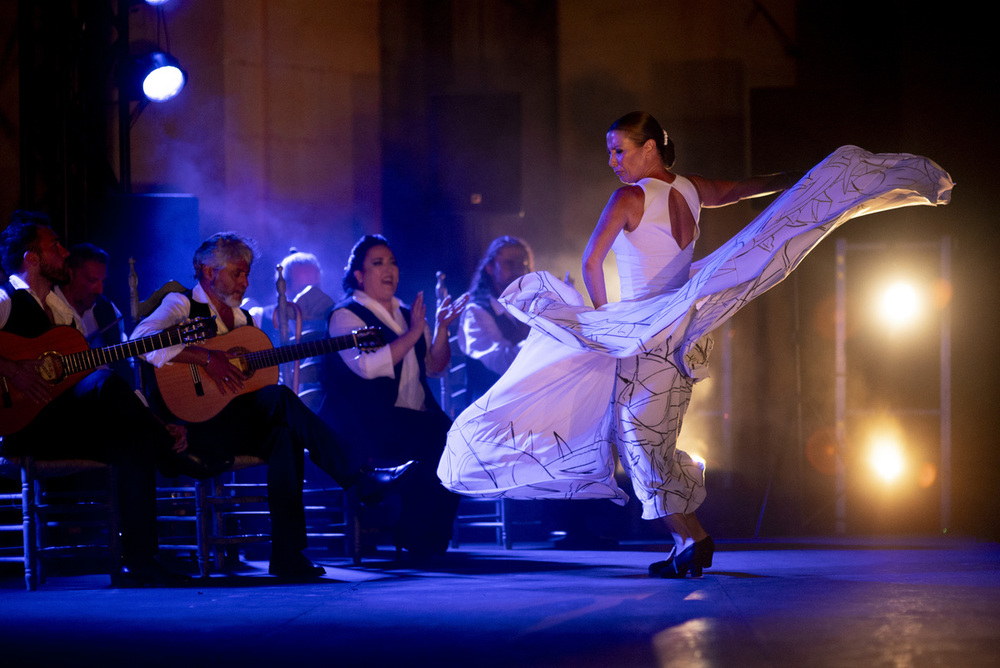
(620, 375)
(652, 225)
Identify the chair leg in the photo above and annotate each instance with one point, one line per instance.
(218, 526)
(505, 536)
(30, 527)
(203, 523)
(114, 526)
(353, 529)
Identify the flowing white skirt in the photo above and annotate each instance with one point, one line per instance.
(547, 428)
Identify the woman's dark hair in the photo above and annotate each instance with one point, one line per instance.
(640, 126)
(482, 286)
(356, 261)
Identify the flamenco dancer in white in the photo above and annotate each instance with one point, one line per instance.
(619, 375)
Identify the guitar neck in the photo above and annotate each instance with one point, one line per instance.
(86, 360)
(274, 356)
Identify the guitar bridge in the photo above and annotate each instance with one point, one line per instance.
(199, 390)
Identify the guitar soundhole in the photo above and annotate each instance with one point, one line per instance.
(51, 369)
(239, 359)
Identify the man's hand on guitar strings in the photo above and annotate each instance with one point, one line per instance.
(225, 375)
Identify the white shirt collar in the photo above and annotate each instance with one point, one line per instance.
(62, 312)
(239, 317)
(390, 319)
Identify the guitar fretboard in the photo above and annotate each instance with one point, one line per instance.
(85, 360)
(273, 356)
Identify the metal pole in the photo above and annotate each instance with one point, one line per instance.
(840, 389)
(124, 114)
(946, 387)
(727, 404)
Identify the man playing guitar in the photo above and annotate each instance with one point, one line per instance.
(271, 421)
(98, 417)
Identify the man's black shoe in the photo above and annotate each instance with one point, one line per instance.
(193, 465)
(294, 567)
(373, 484)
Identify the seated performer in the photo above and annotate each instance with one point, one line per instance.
(270, 422)
(303, 277)
(384, 398)
(302, 274)
(99, 417)
(489, 336)
(99, 318)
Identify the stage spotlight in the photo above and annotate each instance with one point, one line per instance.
(900, 305)
(157, 3)
(161, 75)
(886, 458)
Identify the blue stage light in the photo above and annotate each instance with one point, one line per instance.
(162, 77)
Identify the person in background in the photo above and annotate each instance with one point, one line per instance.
(488, 335)
(99, 318)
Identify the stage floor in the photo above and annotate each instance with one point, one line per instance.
(817, 602)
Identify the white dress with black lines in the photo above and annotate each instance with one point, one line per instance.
(590, 379)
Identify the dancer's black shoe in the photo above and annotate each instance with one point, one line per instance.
(704, 549)
(679, 565)
(658, 566)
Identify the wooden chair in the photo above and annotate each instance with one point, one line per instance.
(474, 515)
(73, 516)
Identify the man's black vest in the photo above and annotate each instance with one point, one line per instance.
(202, 309)
(108, 331)
(26, 318)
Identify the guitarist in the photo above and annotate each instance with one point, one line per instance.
(271, 422)
(99, 418)
(98, 317)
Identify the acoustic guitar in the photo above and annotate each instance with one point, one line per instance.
(66, 359)
(191, 395)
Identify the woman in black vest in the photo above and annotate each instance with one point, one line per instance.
(382, 400)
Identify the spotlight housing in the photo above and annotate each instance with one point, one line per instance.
(163, 77)
(155, 76)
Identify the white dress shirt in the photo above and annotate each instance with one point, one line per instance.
(378, 364)
(173, 310)
(62, 312)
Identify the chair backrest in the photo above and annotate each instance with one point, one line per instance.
(284, 312)
(139, 310)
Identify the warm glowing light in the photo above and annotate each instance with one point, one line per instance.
(887, 458)
(927, 476)
(695, 447)
(900, 305)
(691, 643)
(821, 451)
